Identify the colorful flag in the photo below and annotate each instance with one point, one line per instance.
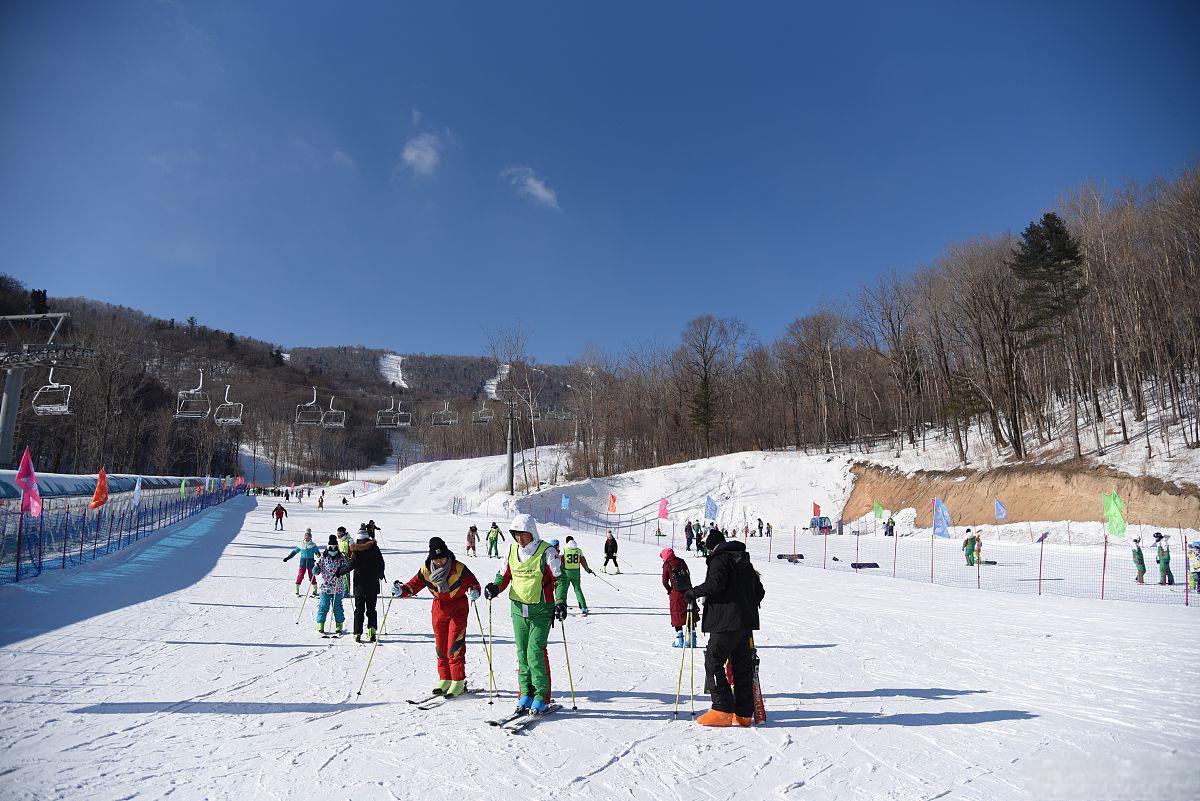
(566, 502)
(941, 518)
(199, 489)
(100, 496)
(239, 481)
(1001, 511)
(182, 488)
(1113, 506)
(137, 493)
(878, 510)
(662, 509)
(31, 498)
(612, 504)
(816, 509)
(710, 508)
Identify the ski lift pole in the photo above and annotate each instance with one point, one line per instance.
(371, 658)
(486, 651)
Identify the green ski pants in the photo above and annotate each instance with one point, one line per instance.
(571, 577)
(531, 634)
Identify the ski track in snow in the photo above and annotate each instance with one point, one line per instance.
(874, 689)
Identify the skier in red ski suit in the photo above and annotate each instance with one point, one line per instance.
(453, 587)
(676, 580)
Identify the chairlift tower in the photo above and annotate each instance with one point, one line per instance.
(16, 362)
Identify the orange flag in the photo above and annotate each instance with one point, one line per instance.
(612, 504)
(100, 496)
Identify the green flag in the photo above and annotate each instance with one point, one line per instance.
(183, 488)
(878, 510)
(1112, 512)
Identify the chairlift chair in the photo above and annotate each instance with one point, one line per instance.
(334, 418)
(389, 417)
(228, 413)
(446, 417)
(483, 416)
(309, 414)
(194, 404)
(403, 419)
(534, 414)
(54, 399)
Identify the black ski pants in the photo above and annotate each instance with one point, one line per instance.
(732, 647)
(364, 604)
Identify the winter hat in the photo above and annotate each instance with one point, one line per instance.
(714, 538)
(362, 535)
(1158, 535)
(341, 529)
(667, 553)
(333, 540)
(524, 522)
(570, 539)
(437, 548)
(308, 533)
(554, 543)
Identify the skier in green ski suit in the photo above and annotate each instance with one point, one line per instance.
(531, 575)
(573, 559)
(969, 549)
(1139, 560)
(493, 541)
(1165, 576)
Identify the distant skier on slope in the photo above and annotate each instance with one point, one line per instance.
(676, 580)
(366, 560)
(610, 553)
(328, 566)
(537, 597)
(472, 538)
(733, 593)
(308, 551)
(572, 561)
(1139, 560)
(687, 533)
(373, 529)
(968, 548)
(279, 513)
(493, 541)
(1163, 558)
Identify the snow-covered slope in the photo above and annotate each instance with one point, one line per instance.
(391, 367)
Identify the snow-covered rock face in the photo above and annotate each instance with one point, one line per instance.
(391, 368)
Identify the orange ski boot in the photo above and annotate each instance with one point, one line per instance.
(714, 718)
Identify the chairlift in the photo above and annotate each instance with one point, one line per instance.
(534, 414)
(553, 414)
(389, 417)
(309, 414)
(228, 413)
(54, 399)
(483, 416)
(403, 419)
(334, 418)
(446, 417)
(194, 404)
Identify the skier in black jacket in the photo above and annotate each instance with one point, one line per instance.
(732, 593)
(610, 553)
(366, 560)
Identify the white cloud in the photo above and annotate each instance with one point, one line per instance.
(527, 184)
(343, 160)
(422, 154)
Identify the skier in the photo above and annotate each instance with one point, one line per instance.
(572, 560)
(537, 598)
(344, 543)
(687, 533)
(769, 529)
(454, 587)
(732, 593)
(1139, 560)
(344, 501)
(1193, 566)
(366, 560)
(676, 580)
(329, 564)
(889, 528)
(308, 551)
(372, 529)
(1163, 559)
(979, 547)
(610, 553)
(472, 537)
(321, 501)
(760, 527)
(968, 547)
(493, 540)
(279, 513)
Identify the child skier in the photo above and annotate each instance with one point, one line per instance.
(1165, 576)
(537, 597)
(610, 553)
(453, 587)
(366, 560)
(493, 541)
(1139, 560)
(472, 537)
(968, 547)
(328, 565)
(979, 547)
(572, 560)
(676, 580)
(308, 551)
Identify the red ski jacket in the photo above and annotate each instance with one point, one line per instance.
(453, 602)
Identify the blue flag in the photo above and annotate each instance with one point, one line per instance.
(137, 493)
(941, 519)
(710, 508)
(566, 502)
(1001, 512)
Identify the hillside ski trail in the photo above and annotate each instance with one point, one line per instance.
(874, 688)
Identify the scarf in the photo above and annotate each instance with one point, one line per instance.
(439, 576)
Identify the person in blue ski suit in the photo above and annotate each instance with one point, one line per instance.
(308, 551)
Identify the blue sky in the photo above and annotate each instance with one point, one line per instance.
(407, 176)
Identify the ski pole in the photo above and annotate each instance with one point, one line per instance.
(371, 658)
(486, 651)
(606, 581)
(692, 669)
(679, 684)
(301, 612)
(570, 680)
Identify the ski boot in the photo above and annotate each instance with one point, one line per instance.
(357, 637)
(694, 640)
(297, 590)
(743, 722)
(678, 640)
(583, 611)
(539, 707)
(442, 687)
(618, 571)
(314, 591)
(457, 687)
(370, 635)
(523, 705)
(714, 718)
(321, 629)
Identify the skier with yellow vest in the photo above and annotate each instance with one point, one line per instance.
(537, 597)
(573, 559)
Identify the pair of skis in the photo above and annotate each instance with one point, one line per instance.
(438, 699)
(519, 721)
(760, 709)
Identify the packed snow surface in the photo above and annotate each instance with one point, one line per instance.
(177, 667)
(391, 367)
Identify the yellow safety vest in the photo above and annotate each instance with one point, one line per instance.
(526, 586)
(571, 559)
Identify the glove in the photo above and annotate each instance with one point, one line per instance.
(591, 572)
(472, 595)
(398, 589)
(560, 611)
(490, 590)
(689, 594)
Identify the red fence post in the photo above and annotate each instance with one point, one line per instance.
(20, 526)
(1103, 567)
(793, 542)
(895, 550)
(82, 535)
(855, 551)
(931, 557)
(1041, 551)
(66, 534)
(977, 568)
(42, 520)
(825, 558)
(1187, 575)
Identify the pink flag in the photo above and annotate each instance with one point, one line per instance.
(612, 504)
(31, 499)
(662, 509)
(816, 509)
